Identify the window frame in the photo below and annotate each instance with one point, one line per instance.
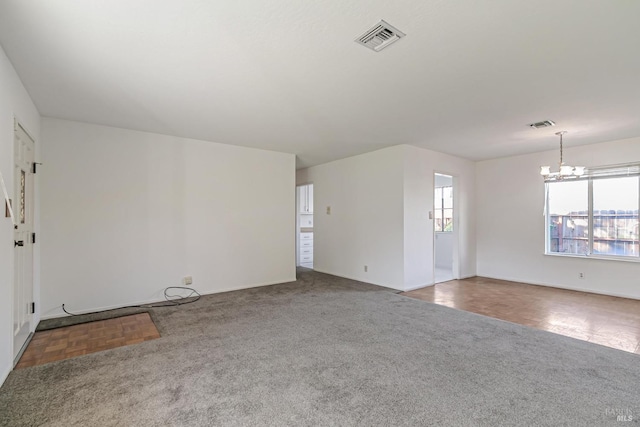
(602, 172)
(442, 209)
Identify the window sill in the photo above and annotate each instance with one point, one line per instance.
(599, 257)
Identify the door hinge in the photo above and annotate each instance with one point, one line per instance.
(33, 308)
(33, 167)
(33, 237)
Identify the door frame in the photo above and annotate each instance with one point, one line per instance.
(17, 353)
(455, 265)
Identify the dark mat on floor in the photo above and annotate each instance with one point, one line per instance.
(60, 322)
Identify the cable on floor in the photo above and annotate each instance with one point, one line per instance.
(172, 301)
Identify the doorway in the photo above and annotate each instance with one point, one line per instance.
(304, 226)
(444, 231)
(23, 208)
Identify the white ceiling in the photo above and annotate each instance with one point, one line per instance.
(286, 75)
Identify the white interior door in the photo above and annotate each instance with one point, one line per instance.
(24, 148)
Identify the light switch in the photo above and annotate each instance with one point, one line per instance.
(430, 215)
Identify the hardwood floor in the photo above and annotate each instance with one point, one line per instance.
(609, 321)
(70, 341)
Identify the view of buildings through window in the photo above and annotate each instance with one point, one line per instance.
(443, 209)
(606, 226)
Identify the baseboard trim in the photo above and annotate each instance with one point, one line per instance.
(5, 374)
(413, 288)
(22, 350)
(241, 287)
(156, 301)
(567, 288)
(358, 280)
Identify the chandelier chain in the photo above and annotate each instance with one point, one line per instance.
(564, 171)
(561, 162)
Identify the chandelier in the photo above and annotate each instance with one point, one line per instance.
(564, 171)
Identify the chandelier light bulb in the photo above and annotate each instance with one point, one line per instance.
(564, 171)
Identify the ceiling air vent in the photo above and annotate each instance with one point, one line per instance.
(380, 36)
(543, 124)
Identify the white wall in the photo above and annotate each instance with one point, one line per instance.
(14, 102)
(128, 213)
(420, 166)
(380, 205)
(511, 224)
(365, 226)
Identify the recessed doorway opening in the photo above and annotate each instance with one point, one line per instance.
(444, 228)
(304, 226)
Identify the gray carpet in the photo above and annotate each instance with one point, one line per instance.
(329, 351)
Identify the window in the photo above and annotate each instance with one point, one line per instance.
(23, 185)
(443, 209)
(568, 206)
(596, 215)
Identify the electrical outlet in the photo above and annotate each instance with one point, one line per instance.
(328, 210)
(366, 268)
(580, 275)
(187, 280)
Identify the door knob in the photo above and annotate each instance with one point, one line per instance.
(18, 243)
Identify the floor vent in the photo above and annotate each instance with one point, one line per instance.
(380, 36)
